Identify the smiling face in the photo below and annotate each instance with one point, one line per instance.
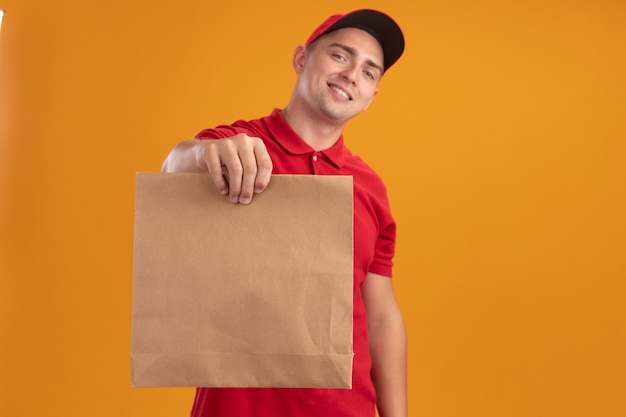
(339, 73)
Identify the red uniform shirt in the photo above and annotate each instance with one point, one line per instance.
(374, 241)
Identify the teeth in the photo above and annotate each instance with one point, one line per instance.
(341, 92)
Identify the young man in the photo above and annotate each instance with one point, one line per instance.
(338, 70)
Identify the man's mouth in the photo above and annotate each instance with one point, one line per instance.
(340, 91)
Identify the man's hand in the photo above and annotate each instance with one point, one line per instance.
(240, 166)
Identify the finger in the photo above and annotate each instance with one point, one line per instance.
(249, 165)
(234, 173)
(225, 174)
(264, 167)
(214, 165)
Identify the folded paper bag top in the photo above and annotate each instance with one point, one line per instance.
(229, 295)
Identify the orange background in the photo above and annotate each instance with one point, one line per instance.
(500, 135)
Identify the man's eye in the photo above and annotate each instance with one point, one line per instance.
(370, 75)
(339, 57)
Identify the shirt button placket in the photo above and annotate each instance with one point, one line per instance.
(314, 159)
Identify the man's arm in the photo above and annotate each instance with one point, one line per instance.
(243, 158)
(387, 340)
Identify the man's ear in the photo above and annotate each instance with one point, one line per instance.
(299, 58)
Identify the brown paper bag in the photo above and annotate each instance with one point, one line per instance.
(231, 295)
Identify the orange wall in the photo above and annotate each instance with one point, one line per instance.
(500, 136)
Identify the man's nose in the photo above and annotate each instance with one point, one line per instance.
(350, 73)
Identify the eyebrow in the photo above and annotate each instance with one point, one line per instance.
(353, 52)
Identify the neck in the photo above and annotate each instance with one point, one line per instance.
(318, 132)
